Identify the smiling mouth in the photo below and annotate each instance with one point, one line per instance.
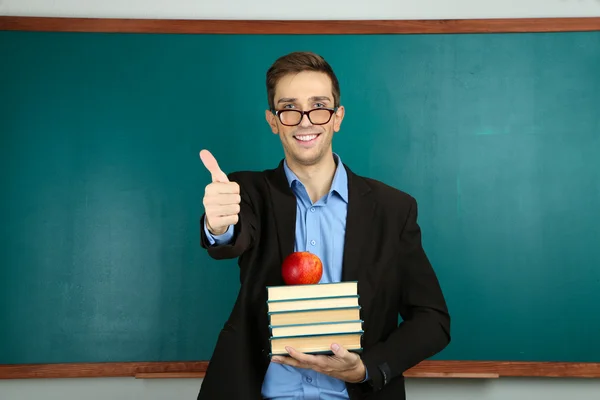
(307, 138)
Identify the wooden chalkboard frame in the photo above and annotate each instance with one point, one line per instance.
(426, 369)
(196, 369)
(274, 27)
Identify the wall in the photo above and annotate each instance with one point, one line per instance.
(187, 389)
(132, 389)
(310, 9)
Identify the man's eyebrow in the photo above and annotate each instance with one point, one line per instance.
(286, 100)
(319, 98)
(291, 99)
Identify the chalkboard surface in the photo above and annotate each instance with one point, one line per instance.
(496, 135)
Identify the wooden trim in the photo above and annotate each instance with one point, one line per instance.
(178, 375)
(97, 370)
(461, 375)
(427, 369)
(169, 375)
(507, 369)
(298, 26)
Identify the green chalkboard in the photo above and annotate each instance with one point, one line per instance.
(496, 135)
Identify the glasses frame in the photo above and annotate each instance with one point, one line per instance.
(307, 113)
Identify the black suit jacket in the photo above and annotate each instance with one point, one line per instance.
(382, 251)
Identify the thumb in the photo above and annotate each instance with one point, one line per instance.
(210, 162)
(339, 351)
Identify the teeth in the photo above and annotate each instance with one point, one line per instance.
(306, 138)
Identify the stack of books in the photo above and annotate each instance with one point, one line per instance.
(310, 318)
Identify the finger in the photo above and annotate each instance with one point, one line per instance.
(210, 162)
(223, 211)
(343, 354)
(292, 362)
(303, 358)
(223, 199)
(222, 188)
(221, 222)
(286, 361)
(340, 351)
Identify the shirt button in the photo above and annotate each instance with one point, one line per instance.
(313, 242)
(312, 209)
(308, 379)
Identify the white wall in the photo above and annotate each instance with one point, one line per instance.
(277, 9)
(186, 389)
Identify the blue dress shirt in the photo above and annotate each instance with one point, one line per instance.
(320, 229)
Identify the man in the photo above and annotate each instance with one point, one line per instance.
(362, 229)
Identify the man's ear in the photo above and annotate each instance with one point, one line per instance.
(272, 121)
(339, 116)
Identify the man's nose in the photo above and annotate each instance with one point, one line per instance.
(305, 122)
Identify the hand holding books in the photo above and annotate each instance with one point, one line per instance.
(343, 364)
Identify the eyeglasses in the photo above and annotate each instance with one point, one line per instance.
(317, 116)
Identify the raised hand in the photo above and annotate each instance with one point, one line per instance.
(221, 197)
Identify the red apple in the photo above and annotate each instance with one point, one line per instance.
(302, 268)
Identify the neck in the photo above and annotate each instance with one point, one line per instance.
(316, 178)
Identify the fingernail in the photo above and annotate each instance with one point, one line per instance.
(335, 347)
(276, 359)
(288, 349)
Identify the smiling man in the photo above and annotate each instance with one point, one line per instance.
(362, 229)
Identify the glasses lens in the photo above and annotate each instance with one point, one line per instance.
(319, 116)
(290, 117)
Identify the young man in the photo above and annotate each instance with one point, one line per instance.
(362, 229)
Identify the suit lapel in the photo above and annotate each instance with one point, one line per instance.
(358, 225)
(283, 206)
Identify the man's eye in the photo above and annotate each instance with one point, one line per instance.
(288, 106)
(319, 105)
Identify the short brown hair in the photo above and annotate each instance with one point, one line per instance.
(295, 62)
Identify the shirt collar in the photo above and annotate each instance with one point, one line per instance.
(338, 185)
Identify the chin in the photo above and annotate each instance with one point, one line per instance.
(308, 157)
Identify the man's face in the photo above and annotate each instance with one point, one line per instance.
(305, 143)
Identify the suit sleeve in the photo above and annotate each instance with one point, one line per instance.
(241, 237)
(425, 329)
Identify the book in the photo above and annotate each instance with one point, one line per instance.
(315, 316)
(315, 344)
(312, 304)
(296, 292)
(316, 328)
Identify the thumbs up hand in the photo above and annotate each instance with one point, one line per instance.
(221, 198)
